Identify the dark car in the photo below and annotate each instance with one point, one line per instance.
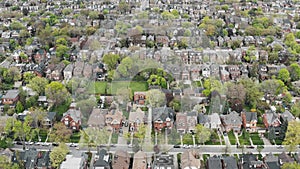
(55, 144)
(176, 146)
(19, 143)
(251, 147)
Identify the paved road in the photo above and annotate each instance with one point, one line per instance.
(203, 149)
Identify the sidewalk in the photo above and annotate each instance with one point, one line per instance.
(265, 140)
(237, 138)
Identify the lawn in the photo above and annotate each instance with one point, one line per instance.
(244, 138)
(97, 87)
(256, 139)
(75, 137)
(113, 87)
(231, 138)
(114, 138)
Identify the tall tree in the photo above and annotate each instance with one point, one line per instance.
(58, 155)
(202, 133)
(293, 165)
(284, 75)
(111, 60)
(6, 164)
(294, 70)
(155, 98)
(292, 136)
(27, 76)
(38, 84)
(92, 137)
(60, 133)
(253, 95)
(57, 93)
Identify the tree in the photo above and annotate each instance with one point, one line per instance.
(253, 95)
(38, 84)
(58, 155)
(62, 51)
(111, 60)
(292, 136)
(60, 133)
(19, 107)
(124, 95)
(125, 67)
(236, 92)
(27, 76)
(12, 74)
(57, 93)
(155, 98)
(283, 75)
(293, 165)
(294, 70)
(139, 135)
(295, 110)
(92, 137)
(210, 85)
(272, 87)
(86, 106)
(6, 164)
(202, 133)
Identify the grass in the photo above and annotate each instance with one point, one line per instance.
(256, 139)
(113, 87)
(97, 87)
(231, 138)
(75, 137)
(244, 138)
(114, 138)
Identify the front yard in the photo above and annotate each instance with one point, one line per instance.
(256, 140)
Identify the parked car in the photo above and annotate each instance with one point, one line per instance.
(55, 144)
(251, 147)
(280, 147)
(176, 146)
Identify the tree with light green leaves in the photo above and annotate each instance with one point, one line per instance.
(210, 85)
(202, 133)
(294, 70)
(284, 75)
(292, 136)
(155, 98)
(60, 133)
(293, 165)
(27, 76)
(111, 60)
(91, 137)
(58, 155)
(140, 134)
(6, 164)
(57, 93)
(38, 84)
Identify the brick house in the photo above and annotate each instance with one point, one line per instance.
(232, 121)
(114, 119)
(163, 117)
(139, 98)
(249, 120)
(271, 119)
(72, 119)
(136, 118)
(11, 97)
(181, 122)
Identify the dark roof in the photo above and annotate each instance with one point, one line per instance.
(11, 94)
(251, 116)
(165, 161)
(230, 162)
(51, 115)
(44, 160)
(162, 113)
(202, 118)
(273, 165)
(101, 162)
(214, 163)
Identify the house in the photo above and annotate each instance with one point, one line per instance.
(49, 119)
(210, 121)
(229, 162)
(164, 161)
(56, 74)
(205, 70)
(136, 118)
(232, 121)
(271, 161)
(68, 71)
(250, 161)
(11, 97)
(234, 71)
(114, 119)
(97, 118)
(181, 122)
(162, 117)
(190, 160)
(249, 120)
(78, 160)
(214, 163)
(32, 159)
(271, 119)
(287, 116)
(140, 160)
(101, 160)
(42, 100)
(72, 119)
(121, 160)
(139, 98)
(285, 158)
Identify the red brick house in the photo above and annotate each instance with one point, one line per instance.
(249, 120)
(271, 119)
(40, 56)
(11, 97)
(162, 117)
(114, 119)
(72, 119)
(181, 122)
(139, 98)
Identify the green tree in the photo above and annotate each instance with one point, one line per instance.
(11, 75)
(293, 165)
(139, 135)
(203, 134)
(58, 155)
(92, 137)
(294, 70)
(155, 98)
(60, 133)
(6, 164)
(27, 76)
(111, 60)
(295, 110)
(284, 75)
(62, 51)
(19, 107)
(93, 15)
(210, 85)
(38, 84)
(292, 136)
(125, 67)
(57, 93)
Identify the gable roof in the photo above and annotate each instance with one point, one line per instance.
(250, 116)
(97, 117)
(189, 160)
(121, 160)
(214, 163)
(74, 114)
(136, 116)
(139, 160)
(230, 162)
(11, 94)
(162, 113)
